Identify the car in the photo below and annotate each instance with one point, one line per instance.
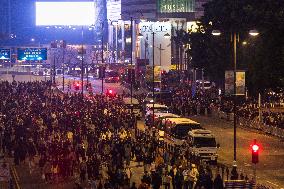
(207, 84)
(111, 76)
(163, 95)
(134, 105)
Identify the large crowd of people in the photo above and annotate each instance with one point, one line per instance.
(95, 139)
(89, 138)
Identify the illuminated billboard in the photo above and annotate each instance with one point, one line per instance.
(5, 54)
(32, 53)
(65, 13)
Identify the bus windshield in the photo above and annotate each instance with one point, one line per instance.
(204, 142)
(135, 106)
(160, 109)
(181, 130)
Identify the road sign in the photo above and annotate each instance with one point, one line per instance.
(5, 54)
(32, 54)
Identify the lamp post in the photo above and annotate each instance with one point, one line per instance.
(82, 62)
(131, 58)
(131, 62)
(153, 77)
(102, 55)
(166, 36)
(218, 33)
(63, 72)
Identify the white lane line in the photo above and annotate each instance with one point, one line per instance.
(272, 183)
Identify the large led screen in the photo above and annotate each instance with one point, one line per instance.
(65, 13)
(32, 53)
(4, 54)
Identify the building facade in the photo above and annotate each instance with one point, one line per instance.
(157, 9)
(177, 14)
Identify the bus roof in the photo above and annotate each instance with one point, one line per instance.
(201, 133)
(181, 120)
(128, 100)
(166, 115)
(156, 106)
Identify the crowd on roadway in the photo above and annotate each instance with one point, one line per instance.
(93, 139)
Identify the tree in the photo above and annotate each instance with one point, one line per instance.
(262, 57)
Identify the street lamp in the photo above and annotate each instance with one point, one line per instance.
(140, 36)
(131, 57)
(218, 33)
(102, 56)
(166, 36)
(254, 33)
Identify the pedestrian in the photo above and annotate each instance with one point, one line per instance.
(168, 180)
(218, 182)
(133, 186)
(193, 176)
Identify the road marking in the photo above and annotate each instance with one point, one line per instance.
(247, 165)
(15, 174)
(272, 183)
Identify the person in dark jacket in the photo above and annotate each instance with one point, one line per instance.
(218, 182)
(178, 179)
(133, 186)
(156, 180)
(146, 178)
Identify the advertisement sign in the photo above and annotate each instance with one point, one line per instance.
(65, 13)
(157, 73)
(240, 83)
(5, 54)
(32, 54)
(229, 82)
(149, 74)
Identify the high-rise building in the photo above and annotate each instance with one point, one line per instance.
(5, 21)
(156, 9)
(179, 14)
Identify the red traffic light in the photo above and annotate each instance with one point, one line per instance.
(110, 93)
(254, 152)
(255, 148)
(77, 86)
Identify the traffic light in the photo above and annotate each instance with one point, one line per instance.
(77, 86)
(102, 72)
(254, 152)
(110, 93)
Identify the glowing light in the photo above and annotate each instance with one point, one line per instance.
(216, 32)
(254, 33)
(65, 13)
(255, 147)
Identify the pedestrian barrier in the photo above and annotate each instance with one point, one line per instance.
(253, 124)
(239, 184)
(15, 178)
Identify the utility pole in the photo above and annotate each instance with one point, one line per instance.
(82, 63)
(102, 67)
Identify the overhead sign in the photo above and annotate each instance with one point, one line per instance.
(32, 54)
(5, 54)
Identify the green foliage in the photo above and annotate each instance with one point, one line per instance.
(262, 57)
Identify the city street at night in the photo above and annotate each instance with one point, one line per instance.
(131, 94)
